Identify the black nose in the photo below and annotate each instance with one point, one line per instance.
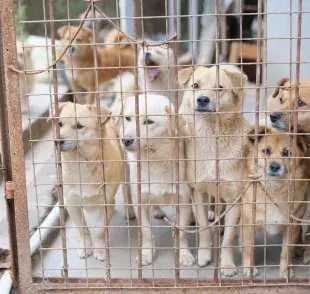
(275, 116)
(61, 142)
(203, 100)
(274, 167)
(148, 54)
(127, 142)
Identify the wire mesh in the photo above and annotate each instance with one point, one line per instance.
(176, 151)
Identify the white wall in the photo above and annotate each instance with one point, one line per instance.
(278, 26)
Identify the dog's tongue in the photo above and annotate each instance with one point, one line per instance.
(152, 73)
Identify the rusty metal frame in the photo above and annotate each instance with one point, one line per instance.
(14, 167)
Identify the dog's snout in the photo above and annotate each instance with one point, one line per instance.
(147, 54)
(274, 167)
(61, 142)
(127, 142)
(275, 116)
(203, 100)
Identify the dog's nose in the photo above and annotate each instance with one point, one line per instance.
(127, 142)
(61, 142)
(274, 167)
(147, 54)
(275, 116)
(203, 100)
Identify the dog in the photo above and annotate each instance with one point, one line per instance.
(26, 82)
(156, 71)
(275, 165)
(158, 124)
(199, 109)
(280, 106)
(111, 60)
(78, 125)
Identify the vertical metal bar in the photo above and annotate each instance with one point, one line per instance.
(58, 153)
(193, 26)
(13, 148)
(171, 17)
(177, 178)
(257, 102)
(126, 12)
(135, 34)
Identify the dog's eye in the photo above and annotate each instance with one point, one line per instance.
(285, 153)
(148, 122)
(195, 86)
(267, 151)
(301, 103)
(79, 126)
(78, 39)
(127, 118)
(281, 100)
(60, 124)
(221, 88)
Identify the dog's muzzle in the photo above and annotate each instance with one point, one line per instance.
(275, 169)
(129, 143)
(203, 104)
(72, 49)
(276, 120)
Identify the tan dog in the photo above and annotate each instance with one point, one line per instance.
(275, 166)
(281, 105)
(79, 149)
(199, 109)
(111, 60)
(26, 82)
(158, 152)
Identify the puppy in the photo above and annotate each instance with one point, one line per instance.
(156, 71)
(199, 109)
(157, 123)
(275, 165)
(281, 105)
(78, 128)
(26, 82)
(111, 60)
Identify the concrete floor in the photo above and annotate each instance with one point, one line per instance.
(123, 242)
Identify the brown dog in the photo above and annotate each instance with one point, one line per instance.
(111, 60)
(275, 165)
(281, 104)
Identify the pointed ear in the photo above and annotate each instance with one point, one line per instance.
(52, 109)
(262, 130)
(278, 88)
(237, 79)
(105, 112)
(184, 75)
(62, 30)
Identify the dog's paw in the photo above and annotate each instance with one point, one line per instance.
(283, 273)
(306, 259)
(228, 270)
(246, 272)
(204, 257)
(99, 254)
(158, 213)
(83, 253)
(147, 257)
(186, 258)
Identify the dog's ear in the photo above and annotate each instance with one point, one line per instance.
(117, 38)
(105, 112)
(278, 88)
(62, 30)
(184, 75)
(303, 142)
(237, 79)
(175, 123)
(52, 109)
(262, 130)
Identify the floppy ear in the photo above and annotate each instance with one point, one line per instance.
(279, 84)
(260, 133)
(237, 79)
(175, 122)
(61, 31)
(105, 112)
(52, 109)
(184, 75)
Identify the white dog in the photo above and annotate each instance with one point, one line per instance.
(158, 178)
(156, 71)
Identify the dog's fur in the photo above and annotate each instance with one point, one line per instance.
(158, 180)
(119, 56)
(78, 129)
(156, 71)
(26, 82)
(275, 165)
(280, 105)
(201, 82)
